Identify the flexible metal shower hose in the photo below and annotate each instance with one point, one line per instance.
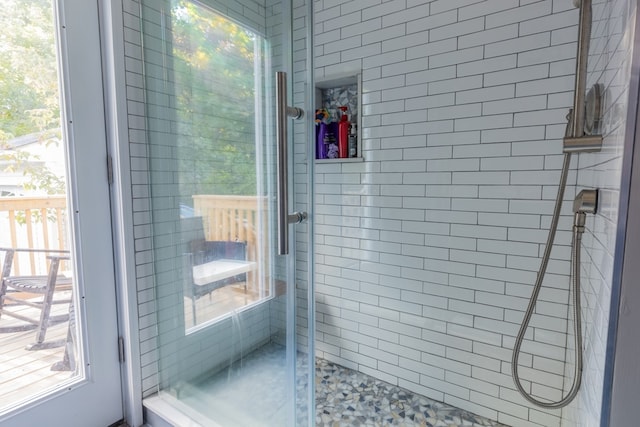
(577, 324)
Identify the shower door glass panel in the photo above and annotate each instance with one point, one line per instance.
(225, 314)
(221, 194)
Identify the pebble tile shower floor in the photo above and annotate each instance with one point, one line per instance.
(345, 398)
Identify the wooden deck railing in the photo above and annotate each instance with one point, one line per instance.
(238, 219)
(233, 218)
(41, 223)
(33, 222)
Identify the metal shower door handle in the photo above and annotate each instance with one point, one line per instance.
(283, 111)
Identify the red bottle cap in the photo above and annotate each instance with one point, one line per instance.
(344, 113)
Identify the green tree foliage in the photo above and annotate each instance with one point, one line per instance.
(29, 102)
(214, 66)
(28, 72)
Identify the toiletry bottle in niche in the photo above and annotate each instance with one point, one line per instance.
(321, 136)
(343, 133)
(353, 141)
(322, 115)
(331, 140)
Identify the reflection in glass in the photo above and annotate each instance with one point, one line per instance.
(225, 327)
(217, 77)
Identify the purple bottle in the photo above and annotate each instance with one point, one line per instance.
(331, 141)
(321, 134)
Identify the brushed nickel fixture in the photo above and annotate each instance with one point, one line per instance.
(580, 117)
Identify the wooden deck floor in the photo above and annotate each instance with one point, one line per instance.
(26, 374)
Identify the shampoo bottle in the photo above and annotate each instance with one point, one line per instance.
(321, 136)
(343, 134)
(321, 133)
(331, 141)
(353, 141)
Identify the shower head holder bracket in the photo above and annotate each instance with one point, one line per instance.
(586, 201)
(582, 144)
(590, 140)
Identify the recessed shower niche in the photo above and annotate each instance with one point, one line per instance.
(338, 99)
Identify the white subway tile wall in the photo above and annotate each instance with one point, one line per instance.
(426, 253)
(301, 26)
(418, 281)
(141, 191)
(609, 65)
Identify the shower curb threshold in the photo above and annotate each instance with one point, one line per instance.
(164, 410)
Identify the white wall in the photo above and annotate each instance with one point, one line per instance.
(610, 65)
(428, 250)
(626, 373)
(301, 22)
(140, 194)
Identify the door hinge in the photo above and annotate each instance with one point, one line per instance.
(121, 349)
(109, 169)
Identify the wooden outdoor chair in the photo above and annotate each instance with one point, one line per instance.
(210, 265)
(15, 292)
(69, 359)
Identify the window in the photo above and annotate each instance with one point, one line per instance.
(206, 108)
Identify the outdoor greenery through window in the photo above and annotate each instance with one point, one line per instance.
(31, 155)
(32, 158)
(217, 71)
(33, 207)
(216, 89)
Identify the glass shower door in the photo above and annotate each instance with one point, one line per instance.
(225, 298)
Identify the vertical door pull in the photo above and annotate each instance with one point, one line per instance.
(283, 111)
